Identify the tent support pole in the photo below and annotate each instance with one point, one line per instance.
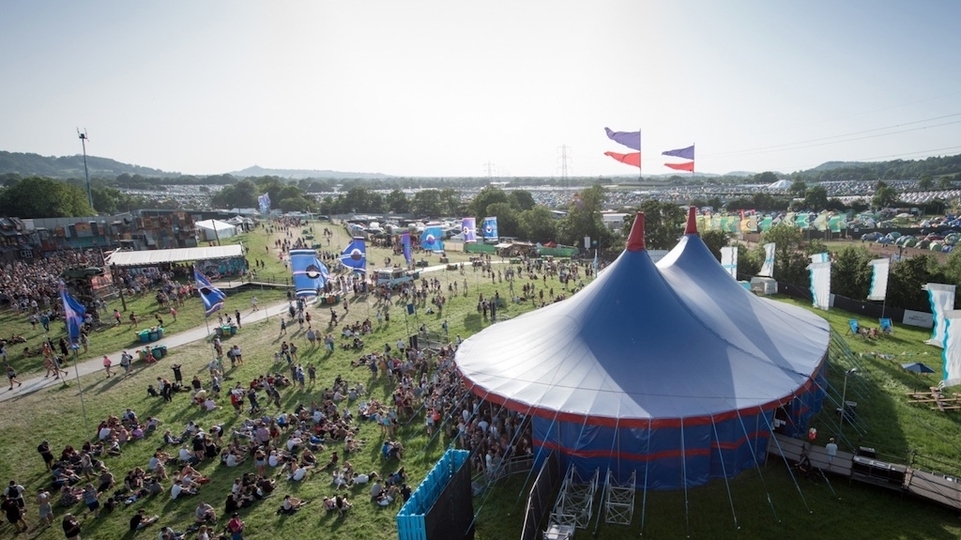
(727, 484)
(786, 464)
(757, 465)
(687, 505)
(647, 466)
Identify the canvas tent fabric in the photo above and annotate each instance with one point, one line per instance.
(214, 229)
(161, 256)
(673, 370)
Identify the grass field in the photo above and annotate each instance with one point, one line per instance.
(766, 502)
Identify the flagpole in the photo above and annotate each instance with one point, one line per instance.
(640, 157)
(83, 408)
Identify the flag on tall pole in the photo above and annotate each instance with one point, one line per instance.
(212, 297)
(630, 139)
(729, 260)
(73, 315)
(683, 153)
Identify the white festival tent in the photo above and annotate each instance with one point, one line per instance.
(672, 373)
(213, 229)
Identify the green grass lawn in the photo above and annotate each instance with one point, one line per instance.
(767, 502)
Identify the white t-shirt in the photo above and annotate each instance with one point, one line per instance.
(104, 433)
(175, 491)
(361, 479)
(299, 474)
(185, 454)
(231, 460)
(273, 460)
(210, 404)
(152, 464)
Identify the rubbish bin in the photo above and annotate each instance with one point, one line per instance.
(144, 336)
(160, 333)
(158, 352)
(154, 336)
(233, 330)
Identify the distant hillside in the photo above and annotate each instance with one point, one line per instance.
(70, 166)
(300, 174)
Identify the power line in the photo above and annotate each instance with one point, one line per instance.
(823, 140)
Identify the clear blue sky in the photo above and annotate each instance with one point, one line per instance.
(439, 88)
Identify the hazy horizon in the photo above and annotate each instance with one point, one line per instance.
(435, 89)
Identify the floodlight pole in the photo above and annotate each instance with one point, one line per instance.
(844, 393)
(86, 173)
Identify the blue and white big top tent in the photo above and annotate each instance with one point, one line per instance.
(672, 373)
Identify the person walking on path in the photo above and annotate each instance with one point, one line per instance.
(283, 326)
(12, 376)
(237, 316)
(107, 363)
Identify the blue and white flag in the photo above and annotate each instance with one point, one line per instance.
(73, 314)
(952, 348)
(490, 228)
(212, 297)
(941, 297)
(354, 255)
(469, 228)
(821, 284)
(264, 202)
(729, 260)
(310, 275)
(767, 269)
(820, 257)
(432, 239)
(879, 279)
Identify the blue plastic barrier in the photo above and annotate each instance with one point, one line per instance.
(410, 519)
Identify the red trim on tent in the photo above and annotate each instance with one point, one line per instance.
(666, 454)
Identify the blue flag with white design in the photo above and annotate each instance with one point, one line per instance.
(354, 255)
(490, 228)
(309, 273)
(73, 315)
(432, 239)
(469, 228)
(212, 297)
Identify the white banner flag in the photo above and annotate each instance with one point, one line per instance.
(952, 348)
(729, 260)
(942, 301)
(820, 257)
(879, 279)
(821, 284)
(767, 269)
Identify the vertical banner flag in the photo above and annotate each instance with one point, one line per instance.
(729, 260)
(767, 268)
(264, 202)
(354, 255)
(820, 257)
(212, 297)
(821, 284)
(942, 301)
(595, 264)
(73, 315)
(879, 279)
(405, 247)
(490, 228)
(469, 228)
(432, 238)
(952, 348)
(310, 275)
(630, 139)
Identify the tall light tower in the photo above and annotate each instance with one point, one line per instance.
(86, 174)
